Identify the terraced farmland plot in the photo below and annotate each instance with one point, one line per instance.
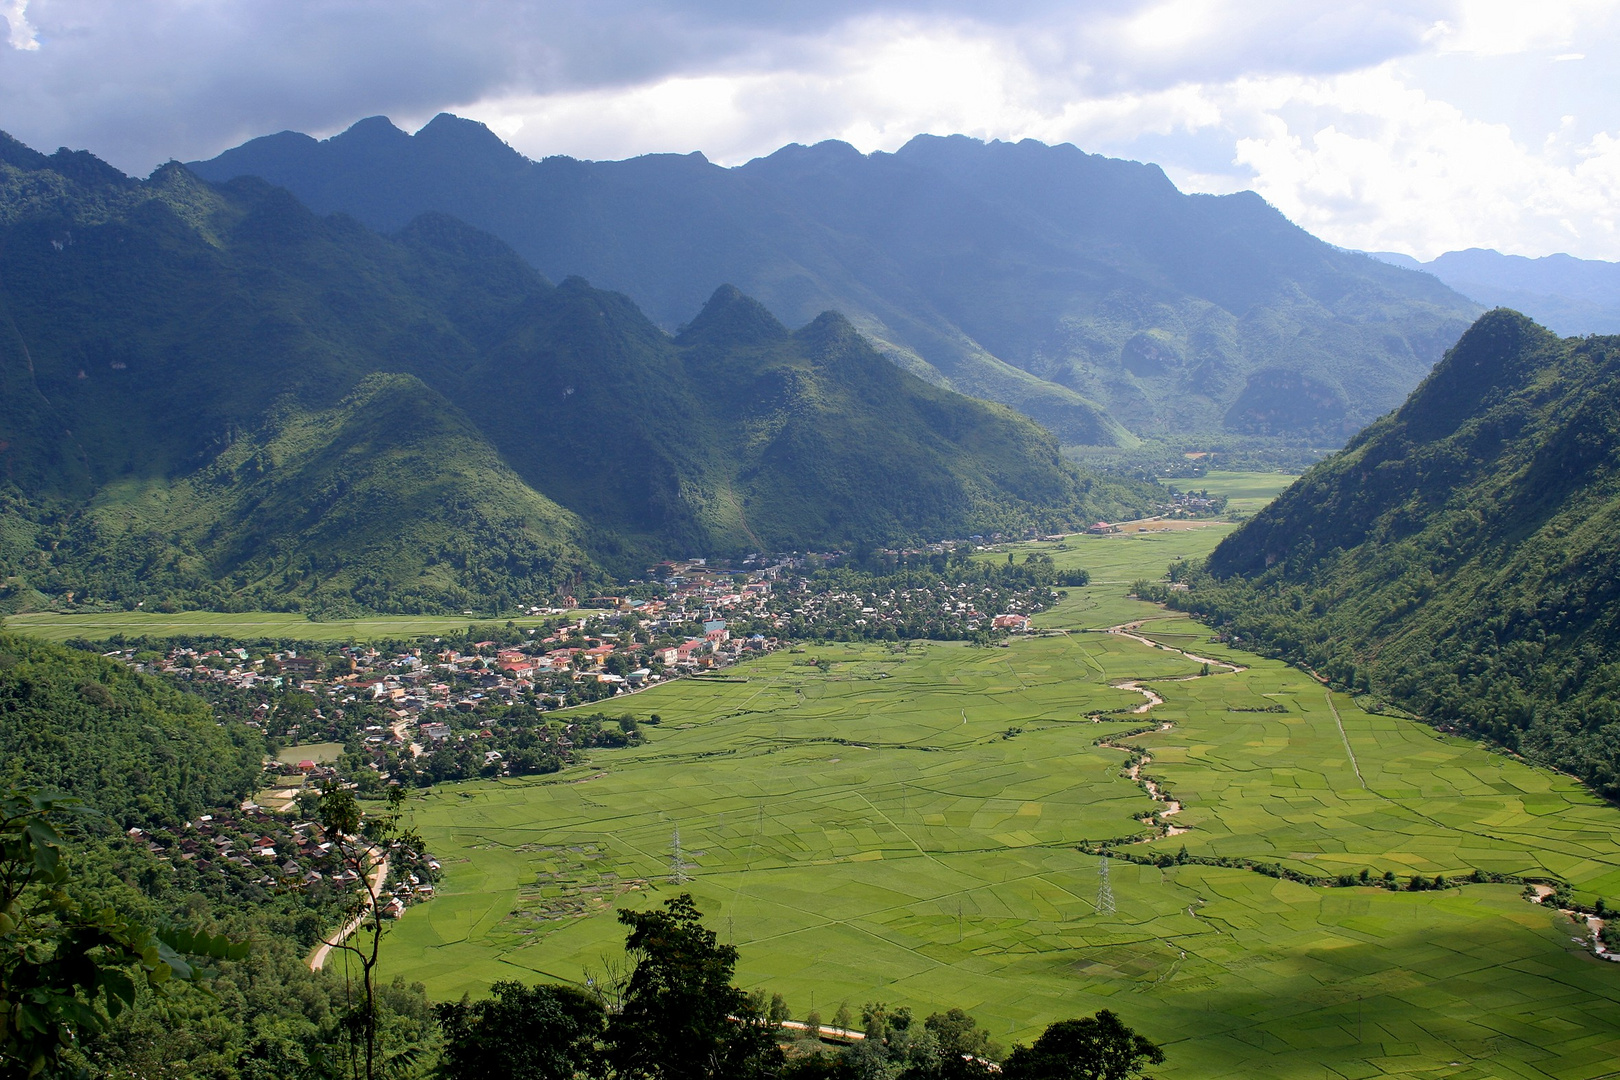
(1285, 787)
(903, 827)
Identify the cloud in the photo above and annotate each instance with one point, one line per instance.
(142, 80)
(19, 33)
(1376, 124)
(1507, 27)
(1381, 165)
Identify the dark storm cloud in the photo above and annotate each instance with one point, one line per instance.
(139, 81)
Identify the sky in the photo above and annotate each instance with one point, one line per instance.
(1419, 127)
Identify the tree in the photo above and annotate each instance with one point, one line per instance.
(946, 1046)
(524, 1033)
(67, 970)
(964, 1047)
(1097, 1047)
(360, 843)
(682, 1019)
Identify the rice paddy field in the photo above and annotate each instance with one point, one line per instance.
(1246, 492)
(904, 826)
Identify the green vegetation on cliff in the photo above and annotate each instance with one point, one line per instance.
(131, 748)
(1461, 557)
(211, 397)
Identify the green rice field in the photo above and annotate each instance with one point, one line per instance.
(1245, 492)
(904, 827)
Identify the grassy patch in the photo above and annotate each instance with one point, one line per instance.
(322, 753)
(903, 827)
(1245, 492)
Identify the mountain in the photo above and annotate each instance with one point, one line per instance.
(1459, 557)
(211, 396)
(1085, 292)
(130, 747)
(1568, 295)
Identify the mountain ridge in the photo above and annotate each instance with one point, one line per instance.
(1570, 296)
(1458, 557)
(215, 397)
(1086, 292)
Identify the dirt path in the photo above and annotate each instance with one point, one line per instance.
(317, 959)
(1346, 739)
(1128, 630)
(826, 1031)
(1136, 687)
(399, 732)
(1151, 786)
(1594, 925)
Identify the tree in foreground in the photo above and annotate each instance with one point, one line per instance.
(360, 842)
(682, 1019)
(66, 969)
(1097, 1047)
(545, 1032)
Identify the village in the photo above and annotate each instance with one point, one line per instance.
(416, 713)
(415, 696)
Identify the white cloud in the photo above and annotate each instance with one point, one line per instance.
(20, 33)
(1507, 27)
(1383, 166)
(1375, 123)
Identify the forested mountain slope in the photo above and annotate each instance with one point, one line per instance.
(212, 396)
(1462, 555)
(133, 749)
(1084, 291)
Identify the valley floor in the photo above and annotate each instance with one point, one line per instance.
(904, 827)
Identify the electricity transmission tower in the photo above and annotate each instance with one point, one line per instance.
(1105, 891)
(677, 864)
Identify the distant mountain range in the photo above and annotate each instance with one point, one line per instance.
(1569, 296)
(1086, 292)
(1459, 557)
(211, 396)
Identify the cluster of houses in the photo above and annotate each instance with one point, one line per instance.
(941, 610)
(410, 700)
(406, 702)
(261, 848)
(410, 889)
(255, 843)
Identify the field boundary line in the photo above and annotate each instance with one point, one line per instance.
(1346, 740)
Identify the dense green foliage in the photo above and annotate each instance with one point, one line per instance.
(1098, 1047)
(546, 1032)
(209, 397)
(1085, 292)
(133, 749)
(135, 752)
(67, 969)
(681, 1017)
(1460, 557)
